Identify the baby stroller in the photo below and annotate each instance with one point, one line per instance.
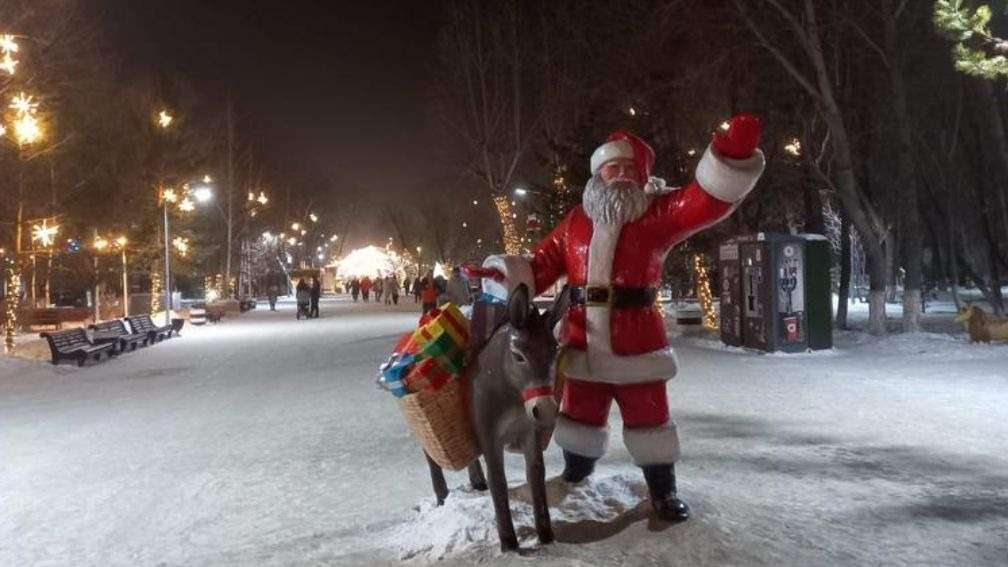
(303, 297)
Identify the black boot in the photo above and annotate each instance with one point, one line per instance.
(662, 486)
(576, 467)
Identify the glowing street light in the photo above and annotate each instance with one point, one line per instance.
(203, 194)
(186, 205)
(262, 199)
(793, 147)
(295, 226)
(313, 217)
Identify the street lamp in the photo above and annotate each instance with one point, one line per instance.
(202, 194)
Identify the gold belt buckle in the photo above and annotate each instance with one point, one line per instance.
(599, 295)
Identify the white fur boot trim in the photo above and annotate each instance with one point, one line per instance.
(652, 445)
(585, 440)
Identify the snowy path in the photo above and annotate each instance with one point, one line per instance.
(264, 441)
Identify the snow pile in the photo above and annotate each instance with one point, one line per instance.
(465, 524)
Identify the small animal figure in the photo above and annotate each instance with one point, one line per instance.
(982, 328)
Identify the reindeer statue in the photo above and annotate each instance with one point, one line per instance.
(513, 408)
(982, 328)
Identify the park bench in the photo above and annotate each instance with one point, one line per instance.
(74, 344)
(116, 333)
(143, 324)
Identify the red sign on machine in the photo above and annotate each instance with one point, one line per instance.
(791, 328)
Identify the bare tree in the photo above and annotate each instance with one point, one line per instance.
(484, 97)
(803, 30)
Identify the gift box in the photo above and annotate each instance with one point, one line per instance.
(445, 320)
(393, 371)
(447, 354)
(426, 375)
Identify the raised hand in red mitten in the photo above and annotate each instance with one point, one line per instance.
(739, 139)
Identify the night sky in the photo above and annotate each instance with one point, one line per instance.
(340, 84)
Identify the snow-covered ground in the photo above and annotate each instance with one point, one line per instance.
(264, 441)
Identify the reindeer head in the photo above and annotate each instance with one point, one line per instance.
(964, 314)
(531, 348)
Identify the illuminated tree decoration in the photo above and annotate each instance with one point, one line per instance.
(8, 47)
(13, 279)
(512, 239)
(44, 234)
(164, 119)
(181, 245)
(155, 291)
(27, 129)
(704, 293)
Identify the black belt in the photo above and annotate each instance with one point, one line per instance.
(614, 296)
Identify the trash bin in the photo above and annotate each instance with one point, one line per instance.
(775, 292)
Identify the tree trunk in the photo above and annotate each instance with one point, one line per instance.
(910, 225)
(991, 114)
(847, 183)
(845, 270)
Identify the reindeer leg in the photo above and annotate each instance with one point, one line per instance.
(535, 475)
(494, 455)
(476, 479)
(437, 480)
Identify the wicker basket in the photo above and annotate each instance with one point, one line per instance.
(439, 420)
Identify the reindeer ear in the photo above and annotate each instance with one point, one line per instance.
(518, 307)
(560, 306)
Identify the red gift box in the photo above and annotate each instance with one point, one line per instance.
(426, 375)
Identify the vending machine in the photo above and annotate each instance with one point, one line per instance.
(775, 292)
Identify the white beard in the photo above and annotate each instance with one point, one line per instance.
(614, 204)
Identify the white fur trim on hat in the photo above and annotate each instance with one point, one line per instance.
(517, 270)
(609, 151)
(578, 438)
(652, 445)
(727, 179)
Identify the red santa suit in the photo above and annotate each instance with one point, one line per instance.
(617, 351)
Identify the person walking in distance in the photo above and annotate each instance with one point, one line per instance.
(316, 294)
(365, 288)
(355, 288)
(428, 292)
(417, 284)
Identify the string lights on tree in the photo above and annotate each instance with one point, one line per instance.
(10, 304)
(704, 292)
(512, 240)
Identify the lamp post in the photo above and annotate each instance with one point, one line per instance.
(202, 194)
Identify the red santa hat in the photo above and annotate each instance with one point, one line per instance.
(623, 144)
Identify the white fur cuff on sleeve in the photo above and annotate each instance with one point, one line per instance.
(729, 180)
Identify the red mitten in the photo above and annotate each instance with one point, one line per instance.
(739, 140)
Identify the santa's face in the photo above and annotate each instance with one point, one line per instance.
(621, 169)
(618, 200)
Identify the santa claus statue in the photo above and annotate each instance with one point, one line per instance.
(612, 249)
